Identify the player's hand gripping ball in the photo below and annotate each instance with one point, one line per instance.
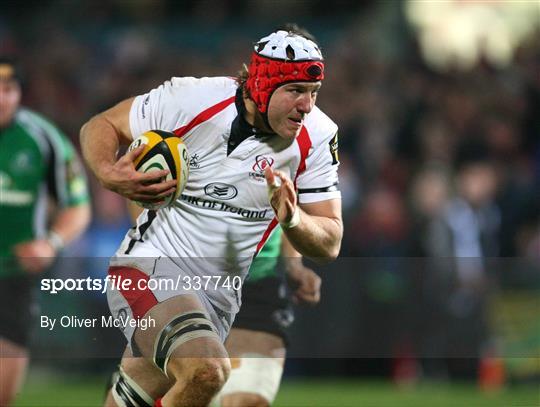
(163, 151)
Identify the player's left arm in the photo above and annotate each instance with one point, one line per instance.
(304, 282)
(314, 229)
(67, 186)
(36, 255)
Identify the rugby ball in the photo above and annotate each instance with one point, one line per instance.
(162, 151)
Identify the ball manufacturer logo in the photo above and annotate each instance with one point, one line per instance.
(261, 162)
(138, 142)
(221, 191)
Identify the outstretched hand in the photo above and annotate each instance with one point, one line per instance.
(148, 187)
(282, 194)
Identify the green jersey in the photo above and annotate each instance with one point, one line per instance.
(264, 265)
(37, 162)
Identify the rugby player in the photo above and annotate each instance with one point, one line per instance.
(37, 164)
(261, 139)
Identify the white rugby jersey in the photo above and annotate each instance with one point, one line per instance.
(223, 217)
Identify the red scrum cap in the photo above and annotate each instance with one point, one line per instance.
(280, 58)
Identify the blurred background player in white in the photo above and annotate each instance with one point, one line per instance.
(250, 140)
(37, 164)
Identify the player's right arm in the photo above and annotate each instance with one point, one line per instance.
(101, 138)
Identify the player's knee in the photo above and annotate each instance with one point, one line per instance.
(210, 374)
(207, 375)
(244, 400)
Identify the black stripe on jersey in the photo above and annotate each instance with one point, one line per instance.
(52, 186)
(331, 188)
(130, 246)
(142, 229)
(40, 133)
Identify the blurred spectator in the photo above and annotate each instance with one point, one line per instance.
(459, 239)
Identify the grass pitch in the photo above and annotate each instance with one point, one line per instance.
(49, 390)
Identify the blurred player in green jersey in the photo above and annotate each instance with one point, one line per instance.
(37, 165)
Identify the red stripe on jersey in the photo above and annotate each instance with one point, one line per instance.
(139, 300)
(266, 234)
(304, 143)
(204, 116)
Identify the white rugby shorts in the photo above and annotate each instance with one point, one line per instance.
(145, 278)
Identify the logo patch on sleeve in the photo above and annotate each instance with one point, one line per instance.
(333, 145)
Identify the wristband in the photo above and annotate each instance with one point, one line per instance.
(295, 220)
(55, 240)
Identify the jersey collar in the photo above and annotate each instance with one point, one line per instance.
(240, 128)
